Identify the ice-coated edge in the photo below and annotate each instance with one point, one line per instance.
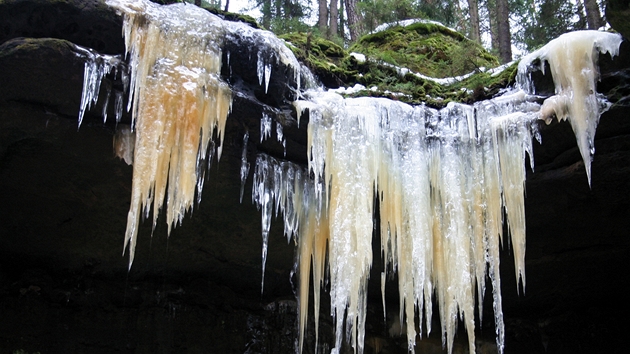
(405, 23)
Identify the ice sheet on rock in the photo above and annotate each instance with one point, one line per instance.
(280, 137)
(268, 49)
(124, 143)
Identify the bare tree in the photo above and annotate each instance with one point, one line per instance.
(473, 11)
(503, 31)
(334, 18)
(342, 21)
(323, 17)
(354, 19)
(593, 16)
(580, 12)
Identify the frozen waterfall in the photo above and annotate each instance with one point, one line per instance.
(443, 179)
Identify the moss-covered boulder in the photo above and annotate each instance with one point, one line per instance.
(408, 63)
(428, 48)
(89, 23)
(327, 60)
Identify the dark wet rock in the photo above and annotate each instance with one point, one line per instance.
(89, 23)
(618, 15)
(57, 67)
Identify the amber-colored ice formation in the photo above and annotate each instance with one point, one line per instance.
(443, 179)
(179, 101)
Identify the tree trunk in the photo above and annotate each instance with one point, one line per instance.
(198, 2)
(503, 31)
(593, 16)
(473, 11)
(494, 32)
(582, 23)
(266, 14)
(278, 8)
(334, 17)
(323, 17)
(342, 21)
(354, 20)
(227, 5)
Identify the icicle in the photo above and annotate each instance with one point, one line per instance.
(95, 68)
(265, 126)
(278, 184)
(244, 165)
(260, 68)
(267, 76)
(263, 70)
(106, 103)
(280, 137)
(572, 59)
(178, 99)
(118, 105)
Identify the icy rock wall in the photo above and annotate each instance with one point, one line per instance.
(443, 178)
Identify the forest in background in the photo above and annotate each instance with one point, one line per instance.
(501, 26)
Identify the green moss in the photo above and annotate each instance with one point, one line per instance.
(426, 48)
(25, 46)
(234, 17)
(329, 61)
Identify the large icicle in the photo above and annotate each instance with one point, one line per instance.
(572, 58)
(178, 101)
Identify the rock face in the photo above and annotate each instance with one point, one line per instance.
(64, 285)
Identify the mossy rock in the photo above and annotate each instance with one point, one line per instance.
(326, 59)
(426, 48)
(88, 23)
(234, 17)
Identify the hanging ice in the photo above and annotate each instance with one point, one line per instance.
(442, 178)
(95, 68)
(178, 101)
(244, 165)
(572, 58)
(265, 126)
(437, 176)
